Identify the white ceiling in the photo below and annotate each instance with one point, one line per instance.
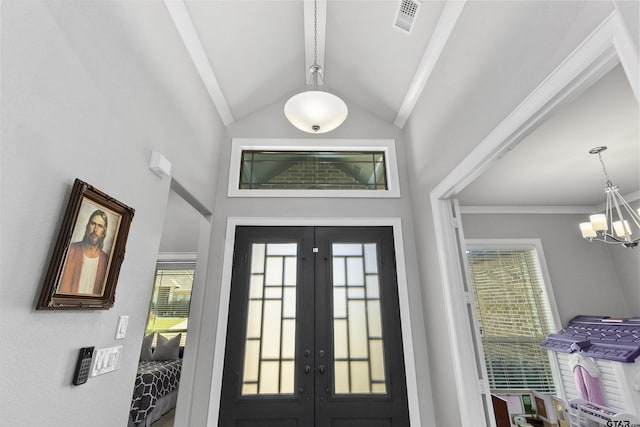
(552, 165)
(252, 54)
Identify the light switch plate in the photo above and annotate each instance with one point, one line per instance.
(121, 330)
(106, 360)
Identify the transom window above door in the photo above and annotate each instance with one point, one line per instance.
(313, 168)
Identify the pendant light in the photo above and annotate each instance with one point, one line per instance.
(619, 220)
(315, 110)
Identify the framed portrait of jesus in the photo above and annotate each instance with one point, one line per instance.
(85, 264)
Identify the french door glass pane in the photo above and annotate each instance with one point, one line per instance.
(357, 323)
(271, 320)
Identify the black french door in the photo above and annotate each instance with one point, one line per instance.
(313, 335)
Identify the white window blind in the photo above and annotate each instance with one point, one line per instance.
(170, 301)
(514, 317)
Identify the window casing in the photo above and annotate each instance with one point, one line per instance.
(272, 167)
(514, 316)
(313, 170)
(171, 300)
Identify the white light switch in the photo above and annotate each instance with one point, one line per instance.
(121, 330)
(106, 360)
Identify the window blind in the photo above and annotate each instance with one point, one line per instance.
(170, 301)
(514, 317)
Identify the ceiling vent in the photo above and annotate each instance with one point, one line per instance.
(406, 16)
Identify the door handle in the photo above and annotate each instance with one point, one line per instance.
(307, 369)
(321, 369)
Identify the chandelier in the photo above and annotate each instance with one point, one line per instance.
(315, 110)
(612, 226)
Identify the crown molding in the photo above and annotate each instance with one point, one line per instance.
(567, 209)
(502, 209)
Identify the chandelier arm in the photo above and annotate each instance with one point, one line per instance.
(613, 241)
(634, 216)
(615, 196)
(608, 212)
(614, 238)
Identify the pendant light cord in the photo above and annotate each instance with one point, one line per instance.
(315, 32)
(604, 169)
(315, 68)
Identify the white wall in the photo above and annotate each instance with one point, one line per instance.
(270, 123)
(79, 99)
(583, 278)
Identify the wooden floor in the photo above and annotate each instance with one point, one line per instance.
(166, 420)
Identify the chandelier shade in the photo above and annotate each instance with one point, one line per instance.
(619, 220)
(315, 111)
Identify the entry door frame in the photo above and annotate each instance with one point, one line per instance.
(225, 293)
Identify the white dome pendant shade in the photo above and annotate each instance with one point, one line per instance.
(315, 111)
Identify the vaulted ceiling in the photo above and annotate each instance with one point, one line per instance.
(252, 54)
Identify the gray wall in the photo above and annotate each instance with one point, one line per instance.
(181, 228)
(78, 101)
(583, 277)
(450, 115)
(631, 14)
(626, 264)
(271, 123)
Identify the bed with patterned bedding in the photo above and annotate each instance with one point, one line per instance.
(155, 390)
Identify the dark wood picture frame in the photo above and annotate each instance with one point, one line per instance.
(89, 251)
